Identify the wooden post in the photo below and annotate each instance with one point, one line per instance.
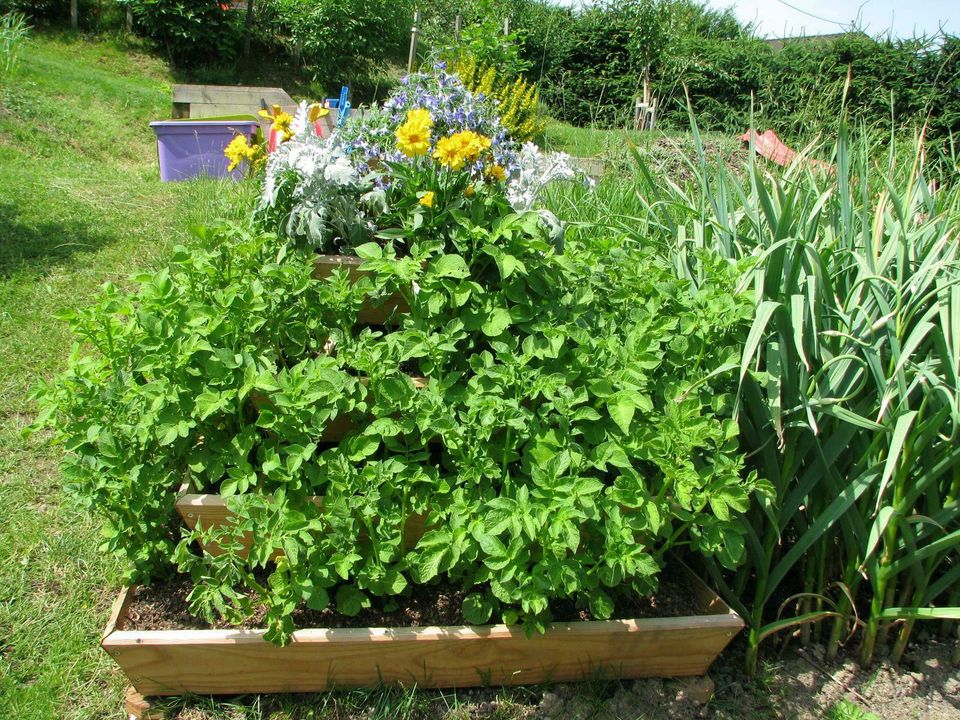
(457, 25)
(73, 14)
(413, 41)
(247, 27)
(506, 26)
(129, 20)
(644, 109)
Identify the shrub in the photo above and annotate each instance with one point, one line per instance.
(481, 36)
(189, 31)
(340, 39)
(574, 448)
(594, 67)
(44, 10)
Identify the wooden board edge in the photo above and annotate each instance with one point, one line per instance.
(311, 636)
(709, 602)
(118, 613)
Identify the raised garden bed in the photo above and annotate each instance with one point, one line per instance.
(373, 312)
(230, 661)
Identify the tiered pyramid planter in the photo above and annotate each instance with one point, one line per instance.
(239, 661)
(213, 662)
(374, 312)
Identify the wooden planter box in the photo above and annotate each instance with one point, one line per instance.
(210, 510)
(212, 662)
(384, 312)
(337, 428)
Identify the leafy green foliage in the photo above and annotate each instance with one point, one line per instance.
(14, 32)
(793, 88)
(481, 35)
(188, 30)
(563, 443)
(518, 100)
(590, 65)
(340, 39)
(848, 395)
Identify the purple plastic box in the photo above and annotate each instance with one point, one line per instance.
(191, 148)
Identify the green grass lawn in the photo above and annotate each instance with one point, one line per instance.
(81, 204)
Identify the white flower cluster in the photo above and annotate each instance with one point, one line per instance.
(535, 170)
(315, 178)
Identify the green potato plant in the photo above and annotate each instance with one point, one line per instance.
(574, 425)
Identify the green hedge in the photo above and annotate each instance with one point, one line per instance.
(590, 69)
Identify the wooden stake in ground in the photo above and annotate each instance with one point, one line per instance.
(413, 41)
(73, 14)
(138, 707)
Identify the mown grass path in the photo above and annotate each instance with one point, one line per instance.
(81, 205)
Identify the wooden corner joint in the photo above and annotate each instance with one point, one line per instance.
(138, 707)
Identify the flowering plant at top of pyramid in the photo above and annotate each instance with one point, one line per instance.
(451, 109)
(409, 171)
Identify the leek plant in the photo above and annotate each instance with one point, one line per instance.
(848, 398)
(13, 35)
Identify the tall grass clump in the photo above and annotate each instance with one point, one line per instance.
(13, 35)
(848, 397)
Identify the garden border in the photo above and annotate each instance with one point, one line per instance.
(213, 662)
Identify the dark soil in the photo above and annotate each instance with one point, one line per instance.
(163, 606)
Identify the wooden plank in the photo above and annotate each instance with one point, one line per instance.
(199, 111)
(173, 662)
(709, 602)
(211, 511)
(325, 265)
(139, 708)
(118, 612)
(200, 101)
(230, 94)
(380, 312)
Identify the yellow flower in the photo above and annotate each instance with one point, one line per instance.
(454, 151)
(449, 152)
(469, 192)
(413, 137)
(281, 122)
(473, 144)
(239, 150)
(419, 116)
(496, 172)
(427, 198)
